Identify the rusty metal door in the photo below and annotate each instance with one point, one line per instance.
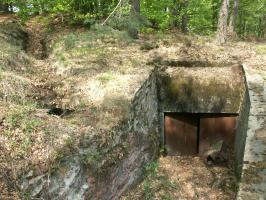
(181, 134)
(214, 128)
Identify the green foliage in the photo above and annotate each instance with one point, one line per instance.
(202, 15)
(203, 19)
(158, 12)
(125, 20)
(147, 189)
(251, 19)
(155, 181)
(19, 117)
(91, 158)
(151, 169)
(168, 14)
(102, 30)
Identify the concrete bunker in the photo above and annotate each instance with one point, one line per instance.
(203, 105)
(202, 112)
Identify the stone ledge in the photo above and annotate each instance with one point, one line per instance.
(253, 179)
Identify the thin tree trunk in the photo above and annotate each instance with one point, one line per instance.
(244, 27)
(261, 26)
(232, 24)
(135, 6)
(264, 26)
(175, 12)
(222, 22)
(184, 22)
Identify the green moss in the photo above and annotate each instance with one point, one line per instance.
(187, 93)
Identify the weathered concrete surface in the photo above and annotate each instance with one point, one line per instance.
(241, 130)
(253, 180)
(201, 89)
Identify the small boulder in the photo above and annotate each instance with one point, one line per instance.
(216, 154)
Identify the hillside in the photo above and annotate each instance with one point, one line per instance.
(67, 102)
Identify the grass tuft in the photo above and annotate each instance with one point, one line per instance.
(261, 50)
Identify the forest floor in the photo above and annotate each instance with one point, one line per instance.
(182, 177)
(92, 75)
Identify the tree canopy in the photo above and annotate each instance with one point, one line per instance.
(200, 17)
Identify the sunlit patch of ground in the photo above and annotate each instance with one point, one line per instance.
(185, 178)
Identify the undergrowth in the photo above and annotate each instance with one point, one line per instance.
(155, 181)
(20, 126)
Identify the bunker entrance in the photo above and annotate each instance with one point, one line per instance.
(210, 136)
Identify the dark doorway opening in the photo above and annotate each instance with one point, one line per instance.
(199, 134)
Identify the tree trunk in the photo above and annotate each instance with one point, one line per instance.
(184, 22)
(222, 22)
(135, 6)
(264, 26)
(175, 12)
(232, 24)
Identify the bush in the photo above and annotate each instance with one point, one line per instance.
(127, 21)
(70, 41)
(106, 31)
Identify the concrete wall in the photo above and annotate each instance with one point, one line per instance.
(253, 176)
(144, 112)
(201, 89)
(241, 130)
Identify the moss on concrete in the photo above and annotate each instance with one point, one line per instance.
(185, 92)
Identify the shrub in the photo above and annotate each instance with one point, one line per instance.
(70, 41)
